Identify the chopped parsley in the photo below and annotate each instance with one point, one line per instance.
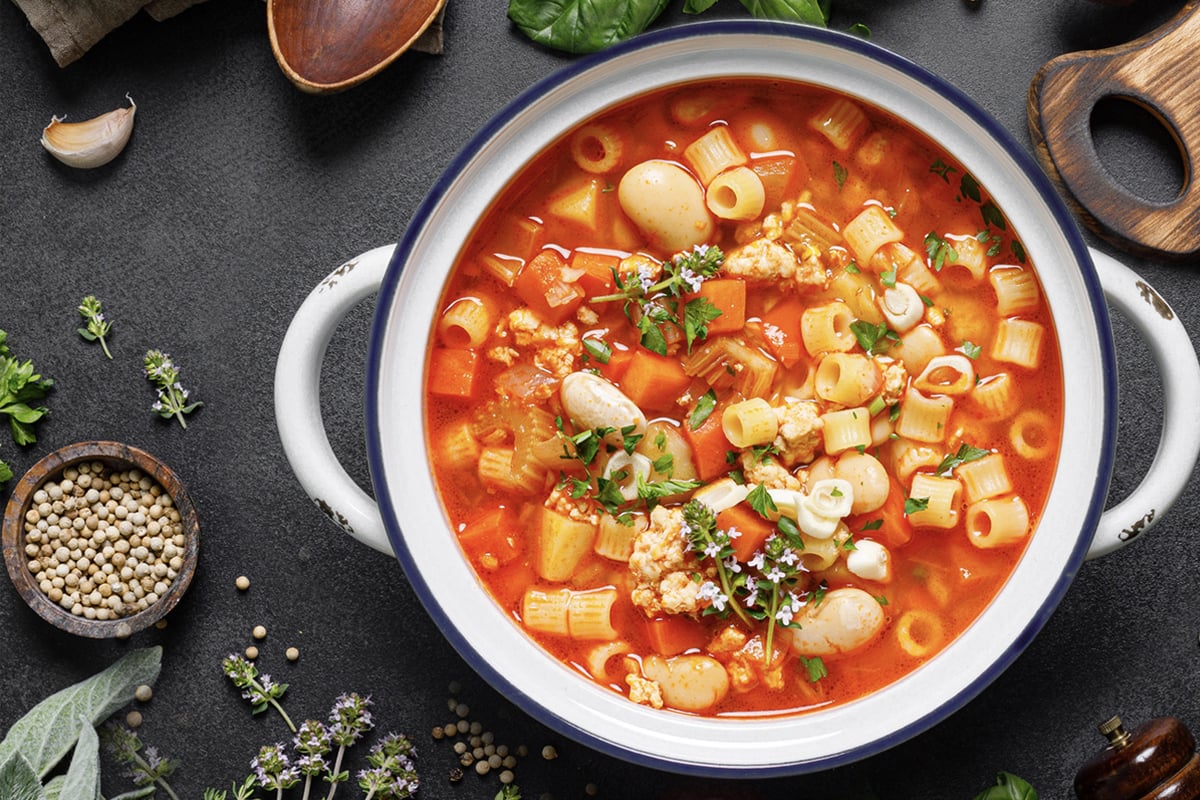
(965, 453)
(703, 410)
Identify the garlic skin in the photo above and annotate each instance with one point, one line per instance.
(92, 143)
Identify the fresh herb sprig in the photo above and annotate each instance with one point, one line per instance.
(966, 452)
(97, 326)
(172, 397)
(585, 448)
(20, 390)
(261, 691)
(769, 587)
(1008, 787)
(653, 304)
(150, 769)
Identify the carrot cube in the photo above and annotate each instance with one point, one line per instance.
(709, 447)
(675, 634)
(452, 373)
(728, 295)
(654, 381)
(597, 277)
(754, 528)
(542, 286)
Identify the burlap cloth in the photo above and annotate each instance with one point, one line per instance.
(71, 27)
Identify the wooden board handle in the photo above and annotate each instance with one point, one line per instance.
(1156, 72)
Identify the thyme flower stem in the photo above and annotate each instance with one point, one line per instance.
(272, 700)
(149, 770)
(723, 574)
(337, 767)
(774, 609)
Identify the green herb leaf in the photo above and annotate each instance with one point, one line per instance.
(1018, 251)
(1008, 787)
(915, 504)
(970, 187)
(839, 174)
(598, 349)
(873, 525)
(583, 26)
(808, 11)
(873, 338)
(83, 775)
(18, 780)
(815, 667)
(965, 453)
(697, 6)
(761, 501)
(940, 251)
(697, 313)
(860, 30)
(20, 388)
(992, 216)
(45, 734)
(703, 410)
(942, 169)
(970, 349)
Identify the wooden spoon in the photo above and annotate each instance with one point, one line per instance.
(1157, 72)
(325, 46)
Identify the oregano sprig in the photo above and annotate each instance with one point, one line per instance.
(263, 693)
(172, 397)
(151, 769)
(97, 326)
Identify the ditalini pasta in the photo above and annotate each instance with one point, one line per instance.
(740, 378)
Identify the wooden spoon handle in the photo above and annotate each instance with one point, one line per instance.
(1155, 72)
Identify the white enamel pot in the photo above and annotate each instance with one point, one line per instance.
(409, 521)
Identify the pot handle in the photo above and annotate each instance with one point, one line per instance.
(297, 397)
(1179, 445)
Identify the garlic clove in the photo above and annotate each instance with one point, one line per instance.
(93, 142)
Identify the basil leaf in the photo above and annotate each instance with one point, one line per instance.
(697, 6)
(583, 26)
(45, 734)
(18, 780)
(1008, 787)
(788, 10)
(83, 775)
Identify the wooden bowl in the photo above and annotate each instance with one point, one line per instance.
(326, 46)
(112, 455)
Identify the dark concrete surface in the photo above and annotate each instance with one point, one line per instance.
(238, 193)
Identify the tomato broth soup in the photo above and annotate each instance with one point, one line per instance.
(743, 398)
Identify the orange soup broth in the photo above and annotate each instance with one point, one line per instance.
(939, 573)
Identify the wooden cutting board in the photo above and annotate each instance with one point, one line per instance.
(1161, 73)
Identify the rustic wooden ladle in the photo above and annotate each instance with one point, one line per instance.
(325, 46)
(1157, 72)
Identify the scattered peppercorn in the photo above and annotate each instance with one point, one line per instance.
(456, 774)
(549, 753)
(143, 693)
(242, 582)
(292, 654)
(103, 543)
(133, 719)
(251, 652)
(259, 632)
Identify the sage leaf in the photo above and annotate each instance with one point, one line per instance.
(18, 780)
(49, 730)
(53, 787)
(137, 794)
(83, 775)
(583, 26)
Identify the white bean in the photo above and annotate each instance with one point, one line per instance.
(592, 402)
(667, 205)
(869, 560)
(689, 682)
(845, 620)
(867, 478)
